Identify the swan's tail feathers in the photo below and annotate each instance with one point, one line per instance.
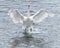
(16, 16)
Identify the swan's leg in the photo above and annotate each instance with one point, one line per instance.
(26, 30)
(26, 34)
(31, 28)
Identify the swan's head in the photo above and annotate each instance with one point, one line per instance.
(28, 6)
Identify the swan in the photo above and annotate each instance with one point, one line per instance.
(28, 20)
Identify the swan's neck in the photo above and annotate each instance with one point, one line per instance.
(28, 11)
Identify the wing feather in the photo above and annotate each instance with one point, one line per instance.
(16, 17)
(39, 16)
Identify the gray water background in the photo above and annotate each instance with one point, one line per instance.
(49, 29)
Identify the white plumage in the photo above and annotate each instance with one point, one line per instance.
(29, 20)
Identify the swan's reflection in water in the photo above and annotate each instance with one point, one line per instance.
(28, 42)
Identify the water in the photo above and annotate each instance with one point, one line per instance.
(49, 29)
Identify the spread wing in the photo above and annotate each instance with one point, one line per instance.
(16, 17)
(40, 15)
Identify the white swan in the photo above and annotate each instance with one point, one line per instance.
(28, 20)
